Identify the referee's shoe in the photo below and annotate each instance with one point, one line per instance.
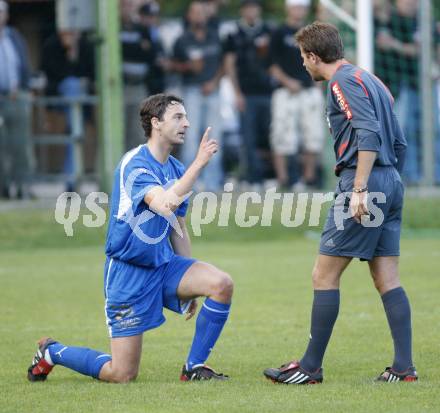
(391, 376)
(293, 373)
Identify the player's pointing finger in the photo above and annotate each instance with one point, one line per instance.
(206, 134)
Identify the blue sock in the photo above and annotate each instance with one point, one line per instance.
(324, 314)
(210, 321)
(398, 313)
(83, 360)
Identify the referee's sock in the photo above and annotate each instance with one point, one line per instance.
(81, 359)
(210, 321)
(398, 313)
(324, 314)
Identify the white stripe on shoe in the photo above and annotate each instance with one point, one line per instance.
(298, 379)
(391, 378)
(291, 378)
(302, 380)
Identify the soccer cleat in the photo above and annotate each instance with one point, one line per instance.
(201, 372)
(41, 364)
(391, 376)
(293, 373)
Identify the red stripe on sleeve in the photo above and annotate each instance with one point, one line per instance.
(342, 148)
(357, 75)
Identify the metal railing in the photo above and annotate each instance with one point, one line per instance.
(74, 136)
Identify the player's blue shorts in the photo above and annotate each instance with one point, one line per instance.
(346, 237)
(135, 296)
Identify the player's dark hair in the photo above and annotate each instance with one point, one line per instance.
(323, 40)
(154, 107)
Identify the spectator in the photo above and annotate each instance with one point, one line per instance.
(149, 21)
(384, 63)
(247, 63)
(212, 8)
(68, 63)
(198, 57)
(15, 114)
(297, 105)
(398, 42)
(137, 58)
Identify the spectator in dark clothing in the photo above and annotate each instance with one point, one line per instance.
(66, 55)
(198, 57)
(297, 105)
(149, 22)
(247, 62)
(68, 63)
(212, 8)
(398, 45)
(137, 58)
(15, 114)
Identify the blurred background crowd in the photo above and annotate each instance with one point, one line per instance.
(235, 63)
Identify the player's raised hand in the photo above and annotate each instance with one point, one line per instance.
(208, 147)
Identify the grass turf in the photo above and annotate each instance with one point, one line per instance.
(55, 288)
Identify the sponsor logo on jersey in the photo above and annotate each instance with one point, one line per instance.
(342, 101)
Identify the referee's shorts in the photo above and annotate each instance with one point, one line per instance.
(378, 235)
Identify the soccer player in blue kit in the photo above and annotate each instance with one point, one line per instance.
(370, 150)
(148, 264)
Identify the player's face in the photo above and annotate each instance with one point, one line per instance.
(174, 124)
(310, 62)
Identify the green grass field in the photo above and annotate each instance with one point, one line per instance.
(51, 285)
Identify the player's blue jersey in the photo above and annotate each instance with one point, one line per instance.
(360, 116)
(135, 234)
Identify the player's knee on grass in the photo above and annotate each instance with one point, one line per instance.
(114, 374)
(124, 376)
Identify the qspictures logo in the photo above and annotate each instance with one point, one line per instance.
(243, 209)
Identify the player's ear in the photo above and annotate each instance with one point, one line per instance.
(155, 123)
(314, 58)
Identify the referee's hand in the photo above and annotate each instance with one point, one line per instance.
(358, 205)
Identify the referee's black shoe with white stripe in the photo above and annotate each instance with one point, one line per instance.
(293, 373)
(391, 376)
